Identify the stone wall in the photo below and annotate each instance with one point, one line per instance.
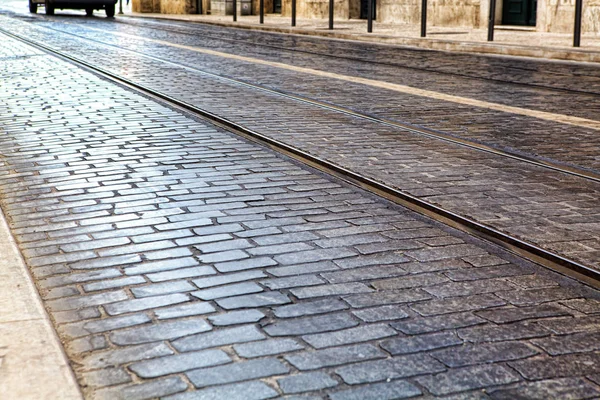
(317, 8)
(559, 16)
(164, 6)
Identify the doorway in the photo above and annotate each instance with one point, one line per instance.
(519, 12)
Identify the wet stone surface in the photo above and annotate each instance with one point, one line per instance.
(191, 301)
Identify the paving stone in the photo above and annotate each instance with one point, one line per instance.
(115, 358)
(147, 390)
(306, 325)
(291, 282)
(300, 269)
(159, 331)
(224, 245)
(418, 325)
(240, 371)
(494, 333)
(468, 378)
(160, 266)
(439, 253)
(107, 262)
(236, 317)
(162, 288)
(569, 365)
(62, 317)
(192, 272)
(349, 336)
(222, 257)
(221, 337)
(267, 348)
(313, 256)
(185, 310)
(469, 288)
(106, 377)
(228, 278)
(487, 272)
(483, 353)
(386, 297)
(572, 325)
(506, 315)
(408, 282)
(108, 324)
(379, 391)
(389, 369)
(62, 280)
(73, 303)
(134, 305)
(254, 300)
(364, 273)
(114, 283)
(373, 259)
(254, 390)
(586, 306)
(227, 291)
(306, 382)
(414, 344)
(334, 356)
(242, 265)
(564, 388)
(383, 313)
(532, 297)
(575, 343)
(330, 290)
(459, 304)
(309, 308)
(179, 363)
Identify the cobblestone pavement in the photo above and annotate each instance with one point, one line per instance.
(553, 210)
(179, 261)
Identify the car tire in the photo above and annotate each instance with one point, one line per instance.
(49, 8)
(32, 7)
(110, 11)
(89, 12)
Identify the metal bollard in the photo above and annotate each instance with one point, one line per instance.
(491, 21)
(330, 14)
(234, 10)
(293, 12)
(120, 7)
(423, 18)
(577, 32)
(261, 5)
(370, 16)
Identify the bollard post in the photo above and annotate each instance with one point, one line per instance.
(370, 16)
(293, 12)
(423, 18)
(120, 7)
(261, 5)
(330, 14)
(577, 32)
(234, 10)
(491, 21)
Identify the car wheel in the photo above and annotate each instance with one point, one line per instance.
(89, 12)
(32, 7)
(110, 11)
(49, 8)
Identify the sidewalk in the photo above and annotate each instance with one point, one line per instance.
(512, 41)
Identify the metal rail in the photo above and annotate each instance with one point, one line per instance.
(524, 249)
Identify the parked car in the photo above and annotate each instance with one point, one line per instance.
(88, 5)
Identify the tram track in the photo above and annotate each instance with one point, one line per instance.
(511, 243)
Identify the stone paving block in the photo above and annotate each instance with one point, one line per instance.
(386, 297)
(106, 377)
(365, 273)
(223, 256)
(61, 280)
(484, 353)
(104, 325)
(468, 378)
(494, 333)
(407, 282)
(235, 289)
(142, 391)
(506, 315)
(279, 249)
(389, 369)
(349, 336)
(414, 344)
(418, 325)
(537, 296)
(162, 288)
(307, 325)
(115, 358)
(114, 283)
(186, 310)
(192, 272)
(306, 382)
(73, 303)
(309, 256)
(575, 343)
(383, 313)
(254, 300)
(334, 356)
(469, 288)
(146, 303)
(372, 259)
(301, 269)
(236, 317)
(572, 325)
(291, 282)
(240, 371)
(330, 290)
(62, 317)
(458, 304)
(379, 391)
(159, 331)
(502, 271)
(563, 388)
(242, 265)
(106, 262)
(586, 306)
(267, 348)
(309, 308)
(179, 363)
(228, 278)
(159, 266)
(253, 390)
(440, 253)
(570, 365)
(221, 337)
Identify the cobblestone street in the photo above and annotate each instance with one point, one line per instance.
(177, 260)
